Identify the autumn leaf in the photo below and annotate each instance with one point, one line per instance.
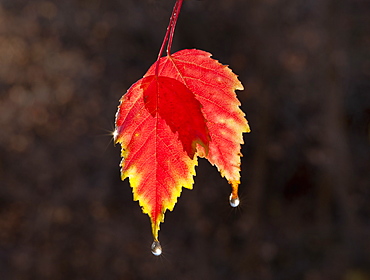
(158, 124)
(185, 106)
(160, 120)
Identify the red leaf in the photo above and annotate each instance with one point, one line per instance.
(152, 155)
(161, 119)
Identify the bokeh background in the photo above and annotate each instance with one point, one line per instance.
(65, 213)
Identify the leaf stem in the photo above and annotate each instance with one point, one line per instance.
(168, 37)
(174, 17)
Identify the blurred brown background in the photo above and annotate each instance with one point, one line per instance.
(65, 214)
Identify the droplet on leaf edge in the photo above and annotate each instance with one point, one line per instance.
(156, 248)
(234, 201)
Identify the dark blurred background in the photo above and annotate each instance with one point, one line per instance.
(65, 213)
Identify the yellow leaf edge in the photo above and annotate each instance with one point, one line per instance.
(135, 179)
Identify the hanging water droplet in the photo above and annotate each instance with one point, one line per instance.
(156, 248)
(234, 201)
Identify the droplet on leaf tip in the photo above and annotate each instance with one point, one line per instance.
(234, 201)
(156, 248)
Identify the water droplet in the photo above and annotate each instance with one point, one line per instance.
(156, 248)
(234, 201)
